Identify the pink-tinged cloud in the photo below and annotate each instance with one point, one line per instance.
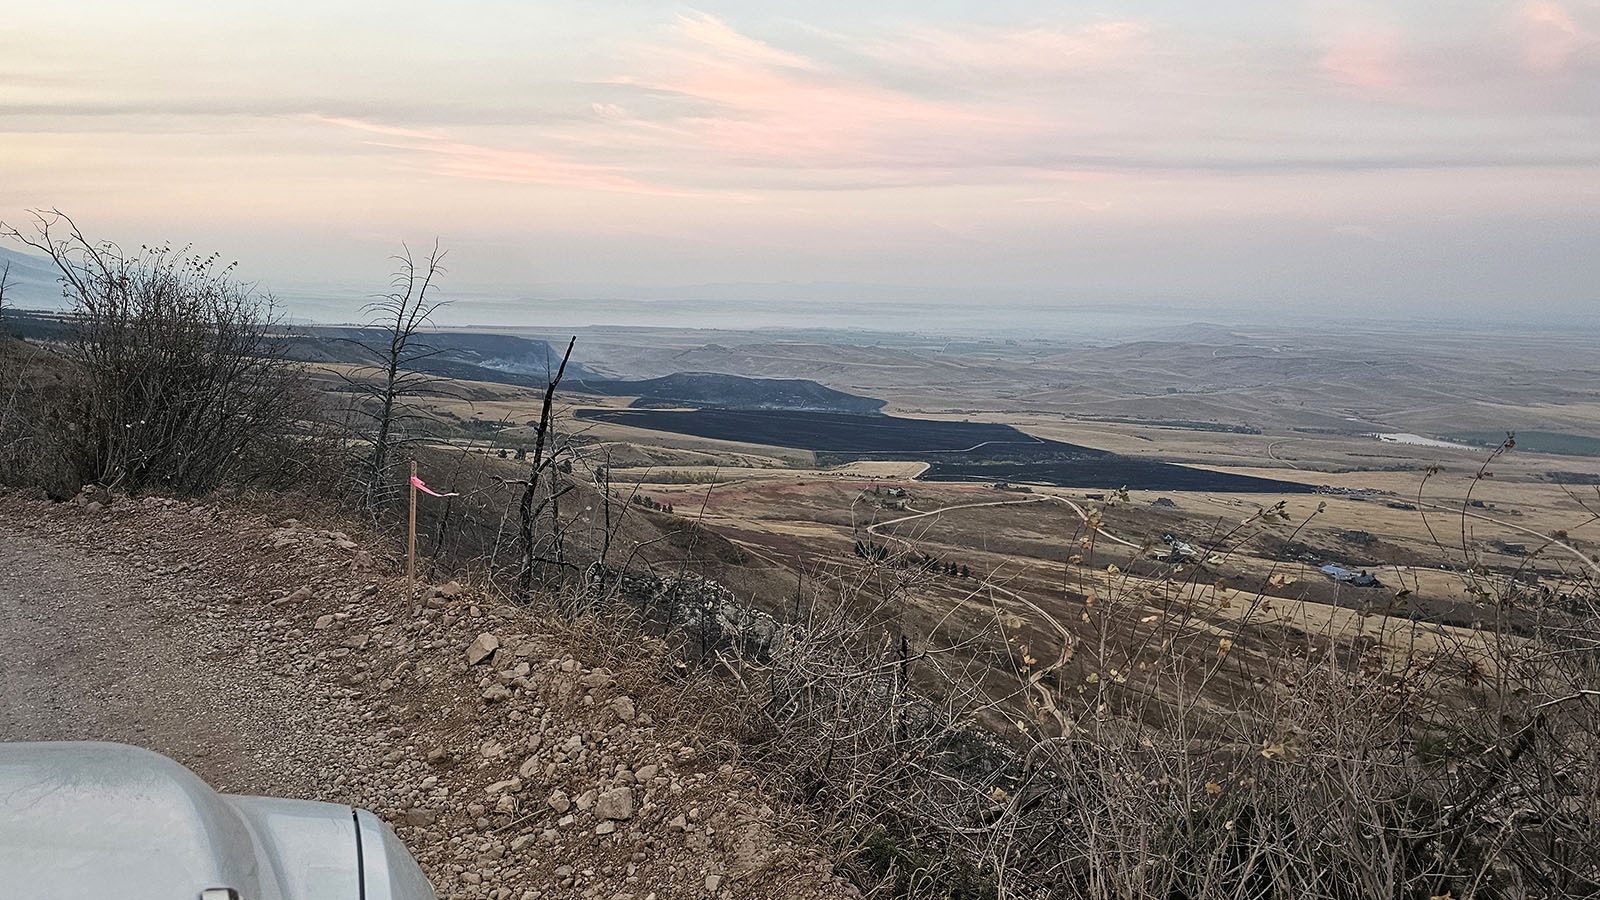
(998, 51)
(464, 160)
(371, 127)
(495, 164)
(1550, 36)
(766, 115)
(715, 35)
(1364, 58)
(754, 104)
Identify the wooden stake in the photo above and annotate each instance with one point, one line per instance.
(411, 541)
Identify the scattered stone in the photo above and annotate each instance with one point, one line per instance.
(420, 818)
(299, 596)
(514, 785)
(482, 649)
(559, 801)
(92, 494)
(615, 804)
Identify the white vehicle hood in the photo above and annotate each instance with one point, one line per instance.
(109, 820)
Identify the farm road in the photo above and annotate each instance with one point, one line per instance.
(1041, 498)
(1456, 510)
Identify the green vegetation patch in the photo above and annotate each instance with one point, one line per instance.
(1535, 442)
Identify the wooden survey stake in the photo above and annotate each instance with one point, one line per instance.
(411, 539)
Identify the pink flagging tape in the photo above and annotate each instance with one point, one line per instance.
(417, 483)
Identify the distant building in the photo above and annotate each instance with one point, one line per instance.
(1342, 575)
(1181, 550)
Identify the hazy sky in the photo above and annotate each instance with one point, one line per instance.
(1412, 156)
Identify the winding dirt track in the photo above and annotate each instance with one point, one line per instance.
(1040, 498)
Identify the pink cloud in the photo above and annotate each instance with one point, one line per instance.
(714, 34)
(495, 164)
(473, 161)
(1365, 58)
(371, 127)
(1038, 49)
(1550, 37)
(764, 105)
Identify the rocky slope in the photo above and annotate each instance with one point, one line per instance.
(277, 656)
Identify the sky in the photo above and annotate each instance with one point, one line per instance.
(1370, 158)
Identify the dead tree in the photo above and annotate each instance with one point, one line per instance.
(531, 506)
(391, 379)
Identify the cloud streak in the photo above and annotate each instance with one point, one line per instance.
(756, 140)
(979, 105)
(1551, 38)
(458, 159)
(1009, 51)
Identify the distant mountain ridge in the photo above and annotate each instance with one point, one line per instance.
(529, 362)
(31, 282)
(473, 356)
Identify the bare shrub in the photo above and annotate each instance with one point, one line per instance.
(38, 403)
(1191, 741)
(177, 382)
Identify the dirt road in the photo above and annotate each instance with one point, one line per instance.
(1037, 498)
(99, 647)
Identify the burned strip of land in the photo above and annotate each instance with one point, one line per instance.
(955, 451)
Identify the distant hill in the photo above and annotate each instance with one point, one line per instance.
(31, 283)
(719, 391)
(498, 358)
(529, 362)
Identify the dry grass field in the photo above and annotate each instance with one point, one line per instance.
(1421, 519)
